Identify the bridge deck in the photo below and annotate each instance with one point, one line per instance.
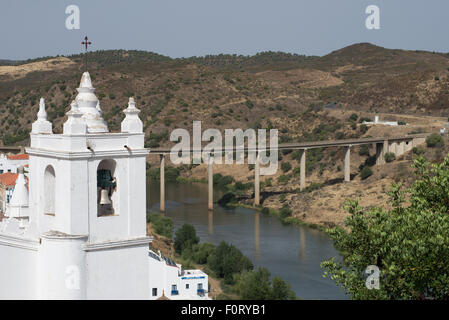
(309, 145)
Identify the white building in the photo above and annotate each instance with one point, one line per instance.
(79, 231)
(377, 121)
(175, 283)
(12, 162)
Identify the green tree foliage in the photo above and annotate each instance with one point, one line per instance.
(364, 150)
(389, 157)
(162, 225)
(226, 199)
(286, 166)
(281, 290)
(185, 238)
(171, 174)
(363, 128)
(256, 285)
(353, 117)
(226, 260)
(221, 181)
(435, 141)
(365, 172)
(285, 212)
(409, 242)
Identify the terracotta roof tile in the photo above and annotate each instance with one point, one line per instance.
(19, 157)
(8, 178)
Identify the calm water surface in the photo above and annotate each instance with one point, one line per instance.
(292, 252)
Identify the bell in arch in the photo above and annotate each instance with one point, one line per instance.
(104, 197)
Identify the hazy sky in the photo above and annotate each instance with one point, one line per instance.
(181, 28)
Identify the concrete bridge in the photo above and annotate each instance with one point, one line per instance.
(395, 144)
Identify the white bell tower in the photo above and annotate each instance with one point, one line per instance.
(87, 191)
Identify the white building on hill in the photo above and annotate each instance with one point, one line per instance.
(79, 230)
(175, 283)
(10, 163)
(385, 123)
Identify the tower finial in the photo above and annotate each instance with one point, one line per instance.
(86, 42)
(42, 125)
(132, 122)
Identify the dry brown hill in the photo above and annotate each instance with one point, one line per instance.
(271, 89)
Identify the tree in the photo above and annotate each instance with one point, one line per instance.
(363, 128)
(227, 260)
(353, 117)
(408, 243)
(364, 150)
(281, 290)
(185, 238)
(435, 141)
(366, 172)
(256, 285)
(389, 157)
(286, 166)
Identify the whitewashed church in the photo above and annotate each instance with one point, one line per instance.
(78, 229)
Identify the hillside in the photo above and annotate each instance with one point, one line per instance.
(270, 89)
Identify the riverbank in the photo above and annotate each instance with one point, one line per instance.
(321, 204)
(231, 274)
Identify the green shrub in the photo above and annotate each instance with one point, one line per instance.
(286, 166)
(256, 285)
(162, 225)
(419, 150)
(285, 212)
(265, 210)
(364, 150)
(389, 157)
(353, 117)
(222, 181)
(185, 238)
(435, 141)
(201, 252)
(284, 178)
(363, 128)
(171, 174)
(226, 199)
(226, 260)
(366, 172)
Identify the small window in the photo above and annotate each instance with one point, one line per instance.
(9, 170)
(154, 292)
(174, 290)
(187, 286)
(1, 171)
(200, 286)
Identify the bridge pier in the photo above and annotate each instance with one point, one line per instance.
(210, 181)
(348, 164)
(257, 181)
(162, 178)
(302, 173)
(381, 151)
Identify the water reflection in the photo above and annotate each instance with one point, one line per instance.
(210, 220)
(257, 234)
(292, 252)
(302, 244)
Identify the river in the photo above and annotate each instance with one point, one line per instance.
(292, 252)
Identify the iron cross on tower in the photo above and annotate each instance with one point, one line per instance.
(86, 43)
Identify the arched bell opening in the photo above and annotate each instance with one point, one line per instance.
(106, 188)
(49, 190)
